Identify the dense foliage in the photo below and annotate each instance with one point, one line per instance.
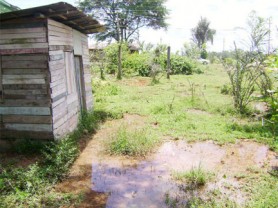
(144, 64)
(123, 19)
(138, 63)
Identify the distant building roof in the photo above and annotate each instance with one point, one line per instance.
(102, 45)
(60, 12)
(7, 7)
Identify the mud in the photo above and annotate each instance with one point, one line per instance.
(116, 181)
(145, 183)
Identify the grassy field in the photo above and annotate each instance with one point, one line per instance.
(186, 107)
(189, 107)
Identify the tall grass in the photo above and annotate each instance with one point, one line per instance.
(196, 177)
(132, 143)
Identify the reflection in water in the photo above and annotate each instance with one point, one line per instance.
(146, 183)
(141, 186)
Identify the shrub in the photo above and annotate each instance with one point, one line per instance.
(111, 53)
(138, 63)
(179, 64)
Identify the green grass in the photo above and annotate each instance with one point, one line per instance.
(196, 177)
(132, 142)
(188, 107)
(185, 107)
(32, 186)
(192, 108)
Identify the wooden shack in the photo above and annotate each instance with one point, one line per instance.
(44, 71)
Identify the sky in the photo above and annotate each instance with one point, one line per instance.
(226, 17)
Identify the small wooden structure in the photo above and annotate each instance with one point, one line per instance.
(45, 77)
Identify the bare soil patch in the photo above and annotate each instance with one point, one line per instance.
(136, 82)
(80, 176)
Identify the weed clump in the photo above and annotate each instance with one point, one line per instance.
(194, 178)
(132, 143)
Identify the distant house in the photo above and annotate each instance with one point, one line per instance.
(45, 77)
(98, 47)
(6, 7)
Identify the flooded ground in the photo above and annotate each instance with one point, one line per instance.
(115, 181)
(146, 183)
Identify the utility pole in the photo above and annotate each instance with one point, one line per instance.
(168, 62)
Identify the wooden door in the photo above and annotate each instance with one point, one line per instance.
(80, 84)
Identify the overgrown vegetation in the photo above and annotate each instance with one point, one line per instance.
(32, 186)
(145, 64)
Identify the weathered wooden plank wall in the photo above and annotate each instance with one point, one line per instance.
(22, 36)
(25, 108)
(38, 94)
(65, 104)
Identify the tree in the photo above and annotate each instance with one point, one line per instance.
(202, 33)
(123, 19)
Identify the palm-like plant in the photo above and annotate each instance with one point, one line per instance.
(202, 33)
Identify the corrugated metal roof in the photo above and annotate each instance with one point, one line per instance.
(60, 12)
(6, 7)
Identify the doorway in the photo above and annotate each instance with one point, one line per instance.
(80, 84)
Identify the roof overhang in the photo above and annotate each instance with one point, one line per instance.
(60, 12)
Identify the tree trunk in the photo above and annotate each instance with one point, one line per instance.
(119, 75)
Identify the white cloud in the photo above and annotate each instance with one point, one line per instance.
(224, 16)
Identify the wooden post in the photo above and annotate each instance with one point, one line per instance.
(168, 62)
(119, 74)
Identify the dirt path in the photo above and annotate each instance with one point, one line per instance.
(110, 181)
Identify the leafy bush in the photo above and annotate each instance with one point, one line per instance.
(58, 157)
(138, 63)
(111, 53)
(179, 64)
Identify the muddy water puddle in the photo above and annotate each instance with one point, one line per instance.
(145, 183)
